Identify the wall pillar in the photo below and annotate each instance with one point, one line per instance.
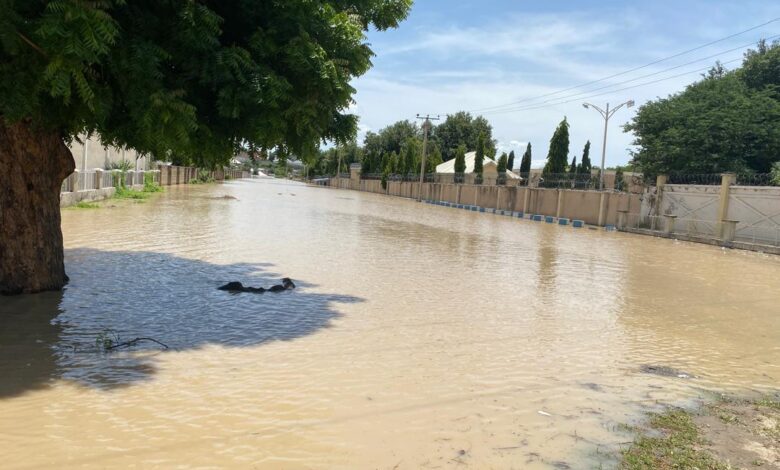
(98, 179)
(726, 180)
(728, 230)
(669, 225)
(622, 218)
(660, 182)
(559, 207)
(526, 199)
(602, 209)
(355, 170)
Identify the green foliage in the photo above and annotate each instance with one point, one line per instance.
(123, 192)
(150, 185)
(86, 205)
(573, 166)
(480, 155)
(676, 443)
(585, 167)
(280, 170)
(619, 180)
(725, 122)
(558, 156)
(463, 129)
(410, 161)
(775, 172)
(502, 163)
(460, 159)
(384, 179)
(123, 165)
(511, 162)
(433, 158)
(183, 78)
(389, 139)
(105, 340)
(525, 163)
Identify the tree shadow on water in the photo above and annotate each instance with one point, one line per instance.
(51, 336)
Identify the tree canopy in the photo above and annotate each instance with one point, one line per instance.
(558, 155)
(460, 159)
(525, 162)
(502, 162)
(480, 155)
(192, 78)
(728, 121)
(510, 165)
(463, 129)
(585, 165)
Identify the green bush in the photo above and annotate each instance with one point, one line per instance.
(775, 172)
(150, 185)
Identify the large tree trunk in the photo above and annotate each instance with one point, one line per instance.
(33, 164)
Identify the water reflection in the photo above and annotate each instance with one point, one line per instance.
(28, 334)
(472, 324)
(143, 294)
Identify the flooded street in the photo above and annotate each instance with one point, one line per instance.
(418, 337)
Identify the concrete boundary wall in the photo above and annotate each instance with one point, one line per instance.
(99, 184)
(592, 207)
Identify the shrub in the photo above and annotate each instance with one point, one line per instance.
(775, 174)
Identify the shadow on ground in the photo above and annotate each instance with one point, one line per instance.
(51, 336)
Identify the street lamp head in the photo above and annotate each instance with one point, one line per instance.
(585, 105)
(630, 103)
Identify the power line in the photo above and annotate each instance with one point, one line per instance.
(654, 73)
(542, 106)
(629, 70)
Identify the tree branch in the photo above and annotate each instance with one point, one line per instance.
(31, 44)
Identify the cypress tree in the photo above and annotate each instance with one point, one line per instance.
(619, 184)
(510, 165)
(559, 150)
(525, 163)
(460, 159)
(410, 158)
(585, 167)
(573, 166)
(480, 156)
(433, 159)
(502, 162)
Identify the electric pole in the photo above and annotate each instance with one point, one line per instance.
(426, 128)
(606, 115)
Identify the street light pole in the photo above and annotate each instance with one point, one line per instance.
(606, 114)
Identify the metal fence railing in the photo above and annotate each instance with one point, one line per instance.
(713, 179)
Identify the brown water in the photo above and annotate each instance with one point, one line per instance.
(419, 336)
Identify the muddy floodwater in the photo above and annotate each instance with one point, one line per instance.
(418, 337)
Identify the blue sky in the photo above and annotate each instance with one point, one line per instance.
(452, 55)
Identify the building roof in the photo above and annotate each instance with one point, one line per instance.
(449, 165)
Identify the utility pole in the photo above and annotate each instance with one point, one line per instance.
(426, 128)
(606, 115)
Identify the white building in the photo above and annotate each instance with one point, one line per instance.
(446, 171)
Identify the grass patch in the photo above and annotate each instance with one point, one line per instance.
(125, 193)
(673, 443)
(86, 205)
